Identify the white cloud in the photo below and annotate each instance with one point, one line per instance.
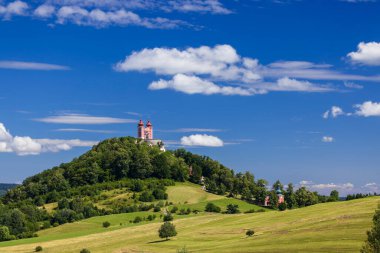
(221, 62)
(16, 8)
(202, 140)
(212, 6)
(110, 13)
(25, 145)
(44, 11)
(310, 71)
(189, 130)
(352, 85)
(287, 84)
(196, 71)
(305, 182)
(332, 186)
(199, 6)
(83, 119)
(195, 85)
(367, 54)
(334, 112)
(327, 139)
(368, 109)
(20, 65)
(371, 187)
(81, 130)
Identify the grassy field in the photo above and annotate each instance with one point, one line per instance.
(330, 227)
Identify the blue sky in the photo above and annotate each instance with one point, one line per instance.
(288, 90)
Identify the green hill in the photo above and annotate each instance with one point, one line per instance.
(328, 227)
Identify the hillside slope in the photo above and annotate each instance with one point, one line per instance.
(329, 227)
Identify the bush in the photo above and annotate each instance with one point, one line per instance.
(137, 219)
(250, 232)
(167, 230)
(232, 209)
(168, 217)
(157, 209)
(174, 209)
(211, 207)
(106, 224)
(4, 234)
(182, 250)
(85, 251)
(38, 249)
(282, 206)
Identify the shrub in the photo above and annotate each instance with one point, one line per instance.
(174, 209)
(282, 206)
(85, 251)
(182, 250)
(167, 230)
(168, 217)
(250, 232)
(232, 209)
(106, 224)
(38, 249)
(46, 225)
(137, 219)
(157, 209)
(211, 207)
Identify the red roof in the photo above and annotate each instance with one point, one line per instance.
(148, 124)
(141, 123)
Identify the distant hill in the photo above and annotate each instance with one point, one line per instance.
(5, 187)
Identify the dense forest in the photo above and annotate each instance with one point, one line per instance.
(138, 168)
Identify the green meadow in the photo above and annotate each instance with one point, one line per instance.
(329, 227)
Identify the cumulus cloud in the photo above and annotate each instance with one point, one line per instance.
(202, 140)
(211, 70)
(332, 186)
(221, 62)
(45, 11)
(20, 65)
(368, 109)
(25, 145)
(84, 119)
(334, 112)
(16, 8)
(366, 54)
(327, 139)
(371, 187)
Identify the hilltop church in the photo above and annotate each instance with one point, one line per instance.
(145, 133)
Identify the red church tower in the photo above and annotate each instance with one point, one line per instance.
(145, 133)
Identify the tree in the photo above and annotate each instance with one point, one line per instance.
(38, 249)
(372, 244)
(106, 224)
(4, 233)
(250, 232)
(282, 206)
(290, 197)
(211, 207)
(167, 230)
(232, 209)
(334, 196)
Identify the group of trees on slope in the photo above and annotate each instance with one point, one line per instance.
(130, 163)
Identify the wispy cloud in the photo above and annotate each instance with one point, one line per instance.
(190, 130)
(84, 119)
(81, 130)
(21, 65)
